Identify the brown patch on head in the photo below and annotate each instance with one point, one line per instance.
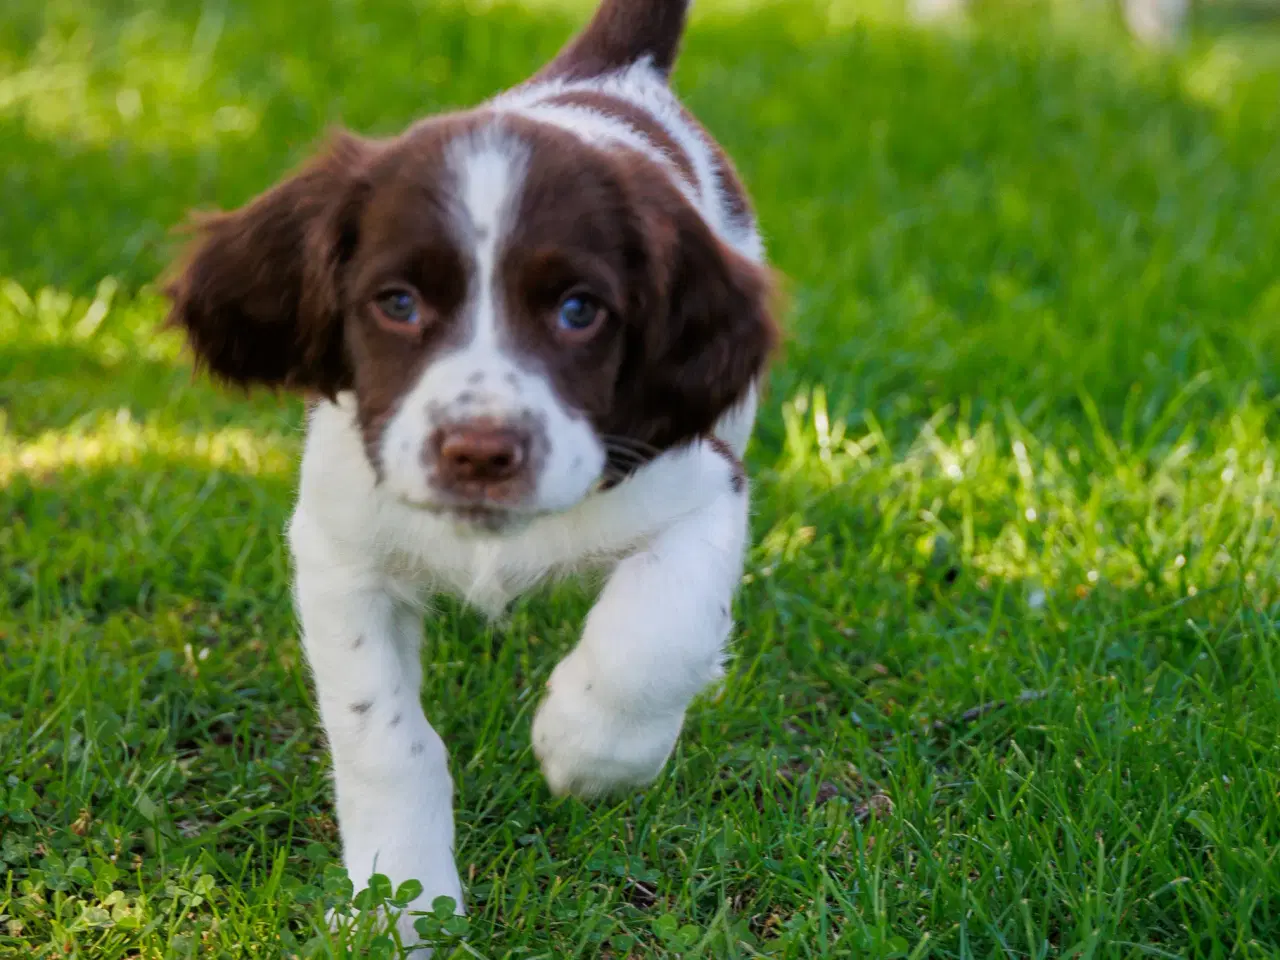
(620, 33)
(575, 230)
(638, 119)
(711, 334)
(690, 323)
(407, 240)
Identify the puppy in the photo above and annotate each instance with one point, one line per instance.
(534, 332)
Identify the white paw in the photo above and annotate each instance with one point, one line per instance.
(588, 747)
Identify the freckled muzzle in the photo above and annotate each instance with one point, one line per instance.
(485, 462)
(486, 444)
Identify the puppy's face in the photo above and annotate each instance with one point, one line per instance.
(519, 316)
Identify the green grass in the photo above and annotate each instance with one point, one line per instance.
(1006, 682)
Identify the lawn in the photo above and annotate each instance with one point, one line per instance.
(1007, 675)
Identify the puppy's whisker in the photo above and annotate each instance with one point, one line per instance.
(621, 455)
(624, 457)
(631, 443)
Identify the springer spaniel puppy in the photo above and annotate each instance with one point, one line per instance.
(533, 333)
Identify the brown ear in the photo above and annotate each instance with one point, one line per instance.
(711, 341)
(621, 33)
(258, 293)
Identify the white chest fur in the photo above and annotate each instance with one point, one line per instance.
(343, 514)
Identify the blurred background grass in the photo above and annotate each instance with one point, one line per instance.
(1006, 683)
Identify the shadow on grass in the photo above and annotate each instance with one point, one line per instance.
(46, 389)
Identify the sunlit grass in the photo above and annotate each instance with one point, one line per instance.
(1166, 514)
(1006, 676)
(117, 440)
(149, 83)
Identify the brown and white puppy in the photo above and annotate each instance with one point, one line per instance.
(538, 328)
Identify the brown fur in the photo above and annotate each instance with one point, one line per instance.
(405, 238)
(693, 325)
(622, 32)
(257, 295)
(637, 119)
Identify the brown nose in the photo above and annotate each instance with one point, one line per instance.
(478, 453)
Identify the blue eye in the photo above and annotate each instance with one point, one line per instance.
(398, 306)
(579, 313)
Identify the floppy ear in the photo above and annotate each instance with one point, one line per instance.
(258, 293)
(712, 338)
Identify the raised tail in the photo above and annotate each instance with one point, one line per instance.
(621, 33)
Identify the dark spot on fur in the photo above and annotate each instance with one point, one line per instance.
(358, 644)
(737, 473)
(476, 378)
(417, 749)
(363, 707)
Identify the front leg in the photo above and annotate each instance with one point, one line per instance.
(391, 771)
(654, 639)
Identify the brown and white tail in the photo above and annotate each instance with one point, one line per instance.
(621, 33)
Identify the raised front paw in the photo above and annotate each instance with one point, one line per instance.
(588, 746)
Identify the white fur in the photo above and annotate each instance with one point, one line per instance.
(654, 639)
(367, 556)
(365, 561)
(489, 169)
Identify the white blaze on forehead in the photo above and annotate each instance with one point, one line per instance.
(489, 166)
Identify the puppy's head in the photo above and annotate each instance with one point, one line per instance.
(518, 315)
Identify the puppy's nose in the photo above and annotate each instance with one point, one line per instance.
(480, 453)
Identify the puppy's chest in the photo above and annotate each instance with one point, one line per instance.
(427, 556)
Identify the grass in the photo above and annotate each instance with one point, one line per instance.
(1006, 682)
